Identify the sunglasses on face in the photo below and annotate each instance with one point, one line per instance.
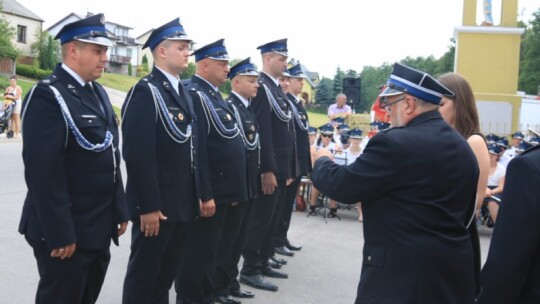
(326, 135)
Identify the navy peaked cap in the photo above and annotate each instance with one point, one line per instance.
(296, 72)
(89, 30)
(215, 50)
(244, 67)
(172, 30)
(355, 133)
(404, 79)
(343, 127)
(278, 46)
(518, 134)
(494, 149)
(326, 129)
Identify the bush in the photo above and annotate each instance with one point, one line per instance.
(32, 72)
(130, 69)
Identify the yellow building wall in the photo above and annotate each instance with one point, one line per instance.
(488, 57)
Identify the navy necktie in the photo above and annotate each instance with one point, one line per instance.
(88, 87)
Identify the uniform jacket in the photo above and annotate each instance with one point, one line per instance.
(277, 137)
(302, 137)
(74, 195)
(415, 184)
(222, 161)
(160, 173)
(511, 274)
(249, 124)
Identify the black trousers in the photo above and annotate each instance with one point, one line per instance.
(229, 246)
(261, 227)
(154, 263)
(284, 221)
(72, 280)
(193, 283)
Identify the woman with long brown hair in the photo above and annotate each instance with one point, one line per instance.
(460, 112)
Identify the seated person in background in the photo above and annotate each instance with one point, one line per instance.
(495, 184)
(325, 141)
(339, 109)
(523, 145)
(517, 138)
(351, 154)
(342, 136)
(312, 133)
(503, 145)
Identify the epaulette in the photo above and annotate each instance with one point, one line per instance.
(48, 80)
(148, 77)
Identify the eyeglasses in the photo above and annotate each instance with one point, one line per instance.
(326, 135)
(384, 104)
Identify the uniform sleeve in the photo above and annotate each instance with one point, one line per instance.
(263, 114)
(45, 136)
(516, 237)
(366, 179)
(139, 124)
(204, 177)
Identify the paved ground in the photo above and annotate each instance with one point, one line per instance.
(325, 271)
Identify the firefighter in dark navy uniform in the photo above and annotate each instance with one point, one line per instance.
(278, 167)
(244, 86)
(301, 124)
(75, 202)
(158, 147)
(417, 184)
(222, 169)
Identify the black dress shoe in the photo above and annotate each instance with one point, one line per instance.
(284, 251)
(257, 281)
(269, 272)
(279, 260)
(292, 247)
(273, 264)
(226, 300)
(242, 294)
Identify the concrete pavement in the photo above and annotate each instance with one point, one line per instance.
(326, 270)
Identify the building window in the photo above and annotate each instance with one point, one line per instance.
(129, 52)
(21, 33)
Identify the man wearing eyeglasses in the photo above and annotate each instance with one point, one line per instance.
(417, 183)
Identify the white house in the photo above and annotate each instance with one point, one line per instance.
(123, 51)
(27, 25)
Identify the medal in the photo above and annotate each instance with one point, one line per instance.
(180, 116)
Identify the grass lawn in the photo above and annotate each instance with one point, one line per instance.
(317, 119)
(117, 81)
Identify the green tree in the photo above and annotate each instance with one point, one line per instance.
(426, 64)
(130, 69)
(338, 82)
(372, 79)
(145, 63)
(352, 73)
(324, 92)
(445, 64)
(46, 50)
(529, 76)
(7, 50)
(190, 71)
